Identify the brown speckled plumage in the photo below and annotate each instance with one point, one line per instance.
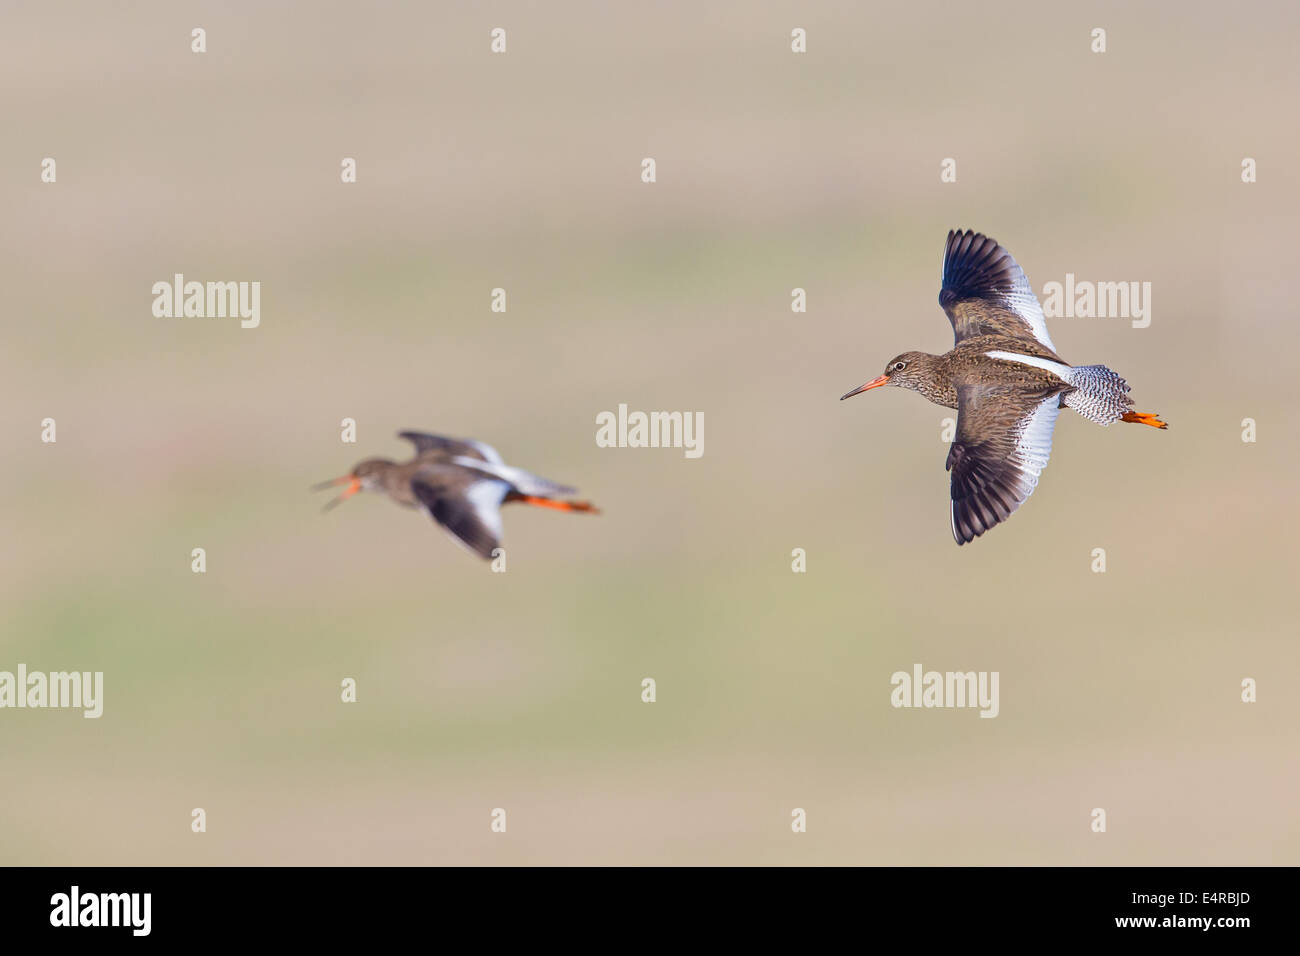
(1007, 401)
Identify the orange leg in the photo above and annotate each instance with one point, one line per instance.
(1144, 418)
(557, 505)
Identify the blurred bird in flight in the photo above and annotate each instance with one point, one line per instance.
(461, 483)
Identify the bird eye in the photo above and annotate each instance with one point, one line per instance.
(899, 366)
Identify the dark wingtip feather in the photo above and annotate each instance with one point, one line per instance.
(984, 493)
(975, 266)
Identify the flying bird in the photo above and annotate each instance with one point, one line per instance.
(1005, 380)
(461, 483)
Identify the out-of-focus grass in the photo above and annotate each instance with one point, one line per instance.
(522, 690)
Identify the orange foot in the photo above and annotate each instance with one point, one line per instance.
(557, 505)
(1144, 418)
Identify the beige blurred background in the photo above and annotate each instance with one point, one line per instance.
(522, 690)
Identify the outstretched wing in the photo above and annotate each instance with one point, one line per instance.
(522, 481)
(466, 503)
(985, 292)
(1003, 441)
(462, 447)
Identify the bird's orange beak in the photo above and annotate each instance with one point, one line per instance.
(353, 486)
(874, 383)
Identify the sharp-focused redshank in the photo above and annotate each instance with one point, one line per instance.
(1005, 380)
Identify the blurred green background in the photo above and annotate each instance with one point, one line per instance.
(522, 690)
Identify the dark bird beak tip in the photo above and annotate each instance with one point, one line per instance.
(874, 383)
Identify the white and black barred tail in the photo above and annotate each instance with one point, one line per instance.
(1098, 394)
